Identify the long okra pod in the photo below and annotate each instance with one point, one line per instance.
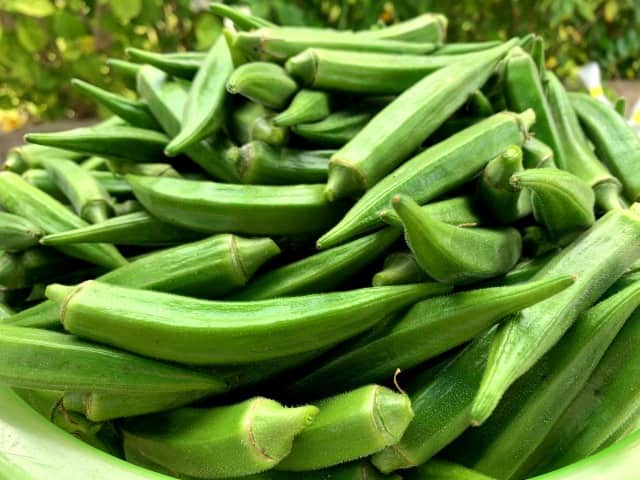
(182, 65)
(196, 331)
(264, 83)
(598, 259)
(428, 27)
(112, 183)
(336, 129)
(17, 233)
(433, 172)
(307, 106)
(465, 47)
(460, 211)
(383, 143)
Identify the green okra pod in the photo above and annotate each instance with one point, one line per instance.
(428, 329)
(17, 233)
(443, 470)
(240, 19)
(617, 144)
(461, 211)
(307, 106)
(562, 202)
(203, 113)
(136, 113)
(22, 158)
(320, 272)
(384, 143)
(262, 82)
(88, 197)
(127, 207)
(597, 259)
(456, 255)
(433, 172)
(110, 182)
(228, 441)
(20, 198)
(573, 153)
(465, 47)
(252, 209)
(253, 122)
(441, 412)
(137, 228)
(167, 99)
(399, 268)
(119, 142)
(197, 331)
(122, 168)
(34, 358)
(29, 267)
(347, 471)
(127, 70)
(336, 129)
(537, 154)
(350, 426)
(182, 65)
(428, 27)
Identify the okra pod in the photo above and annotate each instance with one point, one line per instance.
(383, 143)
(364, 421)
(537, 154)
(399, 268)
(444, 470)
(434, 172)
(465, 47)
(182, 65)
(252, 209)
(22, 158)
(307, 106)
(17, 233)
(94, 164)
(253, 122)
(617, 144)
(110, 182)
(428, 27)
(228, 441)
(204, 108)
(456, 255)
(127, 70)
(22, 199)
(335, 130)
(262, 82)
(5, 311)
(29, 267)
(347, 471)
(461, 211)
(320, 272)
(597, 259)
(126, 207)
(241, 20)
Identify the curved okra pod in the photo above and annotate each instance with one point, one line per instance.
(537, 154)
(204, 332)
(34, 265)
(167, 99)
(457, 255)
(573, 153)
(597, 259)
(429, 328)
(460, 211)
(137, 228)
(443, 470)
(262, 82)
(465, 47)
(241, 20)
(433, 172)
(110, 182)
(20, 198)
(399, 268)
(616, 142)
(136, 113)
(204, 109)
(502, 202)
(336, 129)
(307, 106)
(428, 27)
(87, 196)
(28, 156)
(252, 209)
(119, 142)
(350, 426)
(441, 413)
(260, 164)
(228, 441)
(381, 145)
(182, 65)
(320, 272)
(34, 358)
(17, 233)
(253, 122)
(561, 201)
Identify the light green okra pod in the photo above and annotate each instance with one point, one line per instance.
(182, 65)
(399, 268)
(262, 82)
(17, 233)
(125, 69)
(307, 106)
(22, 158)
(109, 181)
(461, 211)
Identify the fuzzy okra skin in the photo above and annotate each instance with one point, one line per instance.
(228, 441)
(203, 112)
(537, 154)
(616, 142)
(456, 255)
(252, 209)
(399, 268)
(264, 83)
(17, 233)
(597, 259)
(336, 129)
(350, 426)
(429, 328)
(384, 142)
(307, 106)
(20, 198)
(433, 172)
(190, 330)
(461, 211)
(182, 65)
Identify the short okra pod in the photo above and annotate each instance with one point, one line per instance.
(241, 20)
(335, 130)
(428, 27)
(182, 65)
(537, 154)
(17, 233)
(203, 113)
(190, 330)
(264, 83)
(461, 211)
(399, 268)
(597, 259)
(350, 426)
(453, 254)
(307, 106)
(443, 470)
(228, 441)
(253, 122)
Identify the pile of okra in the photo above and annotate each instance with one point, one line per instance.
(312, 254)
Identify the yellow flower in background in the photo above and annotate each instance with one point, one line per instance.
(11, 120)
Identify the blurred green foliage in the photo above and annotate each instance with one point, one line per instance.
(45, 43)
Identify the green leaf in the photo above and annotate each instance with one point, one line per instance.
(125, 10)
(32, 8)
(31, 36)
(67, 25)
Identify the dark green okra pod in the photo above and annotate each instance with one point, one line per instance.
(113, 184)
(17, 233)
(240, 19)
(204, 332)
(336, 129)
(221, 442)
(460, 211)
(383, 143)
(453, 254)
(561, 201)
(434, 172)
(616, 142)
(307, 106)
(537, 154)
(443, 470)
(253, 122)
(350, 426)
(182, 65)
(32, 266)
(597, 259)
(264, 83)
(399, 268)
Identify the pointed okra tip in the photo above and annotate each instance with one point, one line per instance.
(252, 253)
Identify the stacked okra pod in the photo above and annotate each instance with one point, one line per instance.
(312, 254)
